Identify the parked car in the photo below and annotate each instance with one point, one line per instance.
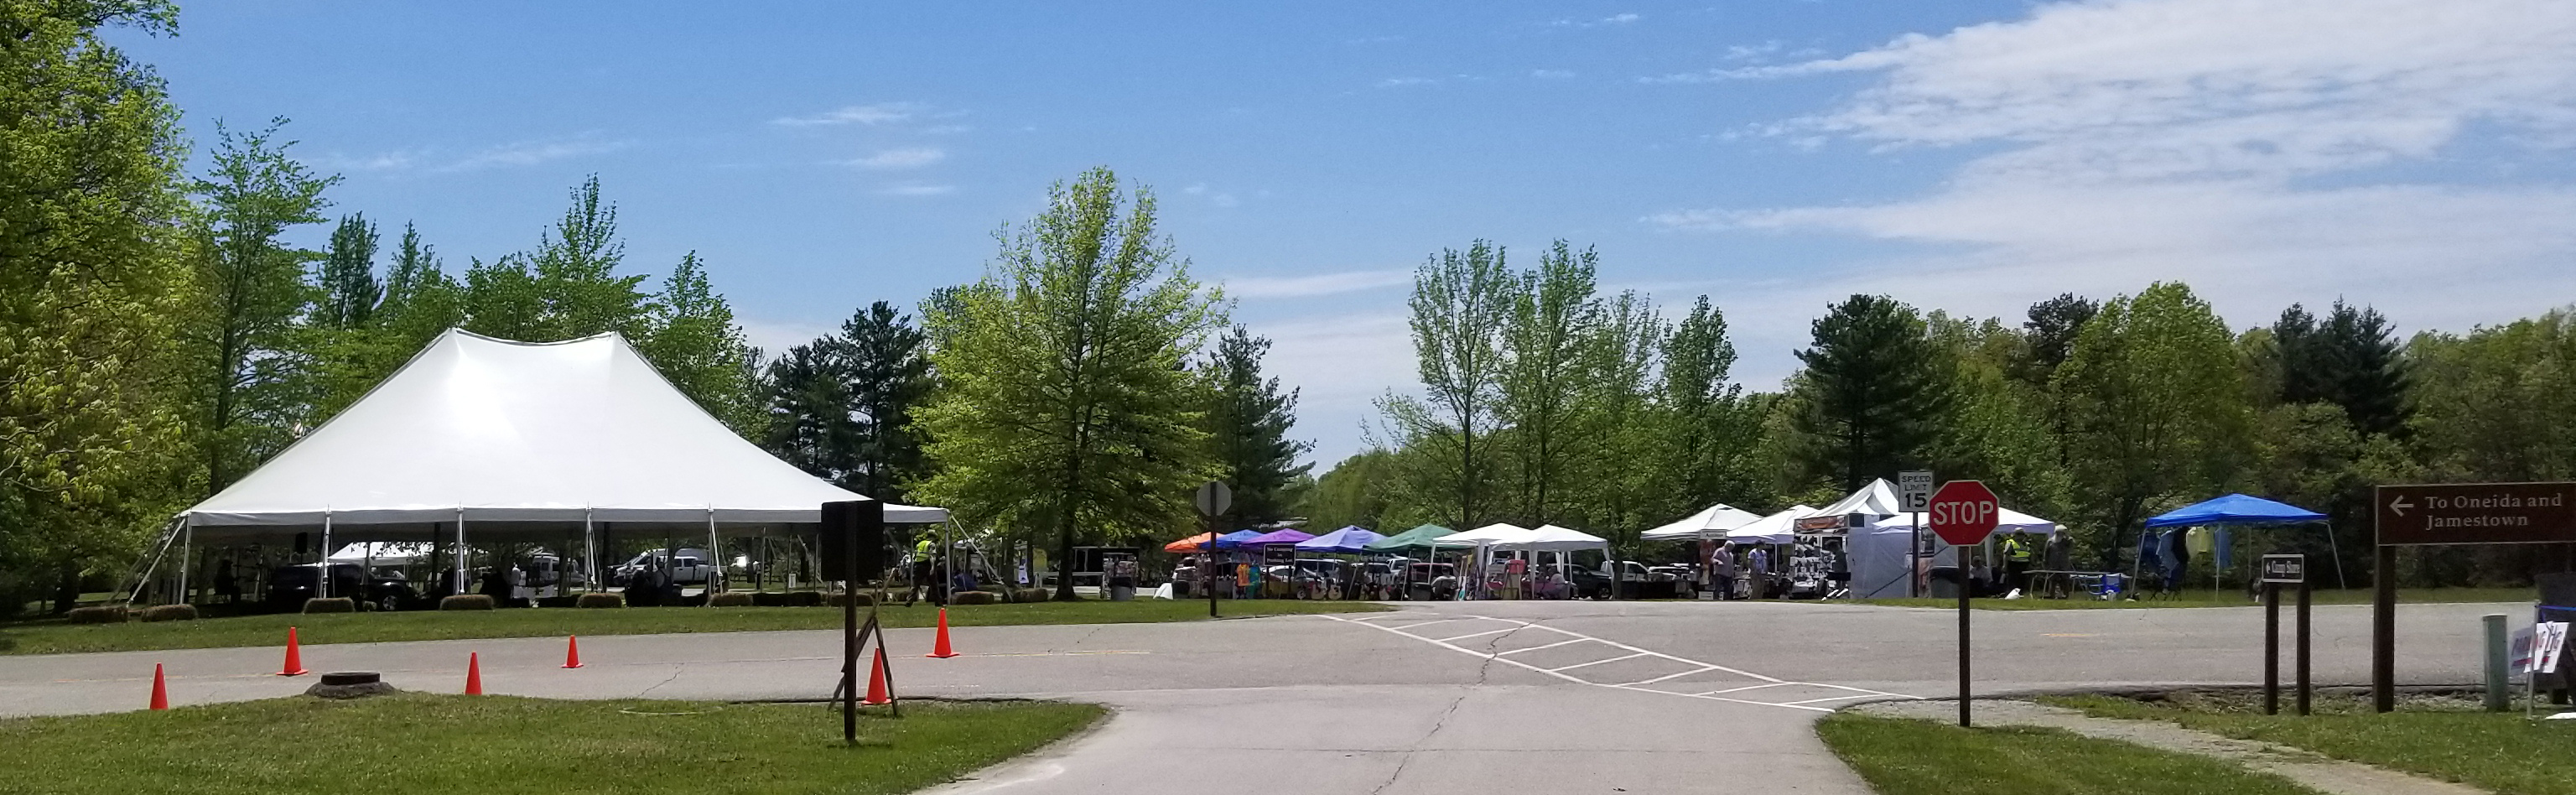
(690, 567)
(386, 589)
(1595, 583)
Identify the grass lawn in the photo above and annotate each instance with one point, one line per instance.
(2230, 598)
(54, 636)
(1903, 756)
(496, 744)
(2447, 739)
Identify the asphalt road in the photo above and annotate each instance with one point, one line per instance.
(1435, 698)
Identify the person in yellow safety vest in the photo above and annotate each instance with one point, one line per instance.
(2016, 560)
(922, 552)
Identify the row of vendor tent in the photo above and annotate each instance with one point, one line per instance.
(1355, 540)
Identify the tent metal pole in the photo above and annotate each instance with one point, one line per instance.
(715, 555)
(459, 557)
(2337, 551)
(187, 552)
(589, 555)
(324, 554)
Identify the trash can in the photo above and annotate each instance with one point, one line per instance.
(1944, 582)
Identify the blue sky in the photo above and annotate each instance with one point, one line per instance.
(1775, 155)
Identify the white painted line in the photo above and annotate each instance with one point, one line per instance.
(1822, 700)
(1668, 676)
(1709, 696)
(1425, 624)
(1739, 689)
(1598, 662)
(1682, 660)
(1547, 646)
(1478, 634)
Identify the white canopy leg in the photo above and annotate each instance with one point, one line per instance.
(325, 555)
(589, 555)
(459, 557)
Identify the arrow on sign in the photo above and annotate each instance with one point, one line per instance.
(2400, 505)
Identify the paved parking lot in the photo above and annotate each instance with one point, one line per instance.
(1433, 698)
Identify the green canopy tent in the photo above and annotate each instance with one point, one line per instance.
(1416, 538)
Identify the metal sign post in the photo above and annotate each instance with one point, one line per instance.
(1963, 513)
(2454, 513)
(1913, 492)
(2279, 570)
(1213, 499)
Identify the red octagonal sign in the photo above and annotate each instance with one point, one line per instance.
(1962, 512)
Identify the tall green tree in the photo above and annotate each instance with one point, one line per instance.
(1462, 301)
(1248, 419)
(885, 370)
(691, 338)
(1357, 492)
(1709, 428)
(2349, 358)
(1615, 483)
(250, 379)
(1873, 393)
(809, 423)
(350, 291)
(2159, 410)
(568, 287)
(95, 280)
(1065, 401)
(1555, 315)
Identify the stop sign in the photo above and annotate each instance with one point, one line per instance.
(1962, 512)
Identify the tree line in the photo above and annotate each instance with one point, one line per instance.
(1544, 400)
(160, 336)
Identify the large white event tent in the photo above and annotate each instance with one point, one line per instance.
(521, 441)
(1710, 524)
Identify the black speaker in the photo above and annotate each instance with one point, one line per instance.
(857, 524)
(301, 541)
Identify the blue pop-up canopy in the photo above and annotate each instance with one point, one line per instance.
(1236, 538)
(2234, 509)
(2245, 509)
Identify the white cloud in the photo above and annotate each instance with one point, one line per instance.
(916, 189)
(2241, 147)
(1614, 19)
(1218, 198)
(774, 338)
(865, 115)
(1319, 284)
(1401, 82)
(529, 153)
(1551, 74)
(1339, 365)
(907, 157)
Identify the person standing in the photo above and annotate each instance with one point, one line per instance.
(922, 553)
(2060, 559)
(1722, 562)
(2017, 554)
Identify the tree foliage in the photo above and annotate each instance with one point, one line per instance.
(1870, 400)
(249, 382)
(1065, 403)
(1248, 419)
(2158, 408)
(1461, 302)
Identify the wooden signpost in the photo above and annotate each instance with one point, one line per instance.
(2452, 513)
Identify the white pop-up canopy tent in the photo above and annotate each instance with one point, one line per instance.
(1778, 528)
(519, 440)
(1880, 554)
(1488, 535)
(1551, 538)
(1874, 500)
(1710, 524)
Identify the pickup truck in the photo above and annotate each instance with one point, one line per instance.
(690, 568)
(1595, 583)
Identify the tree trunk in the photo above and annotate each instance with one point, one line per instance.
(67, 592)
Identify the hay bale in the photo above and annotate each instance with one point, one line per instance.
(837, 600)
(97, 614)
(469, 601)
(566, 600)
(976, 598)
(729, 600)
(170, 613)
(805, 599)
(1031, 594)
(601, 600)
(336, 604)
(768, 599)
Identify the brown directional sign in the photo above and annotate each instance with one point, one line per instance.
(2477, 513)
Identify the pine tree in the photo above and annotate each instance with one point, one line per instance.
(1248, 421)
(2349, 359)
(350, 291)
(1872, 395)
(884, 365)
(808, 413)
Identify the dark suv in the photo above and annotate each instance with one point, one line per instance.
(289, 586)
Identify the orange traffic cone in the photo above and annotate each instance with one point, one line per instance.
(474, 673)
(572, 651)
(939, 648)
(160, 692)
(877, 691)
(294, 656)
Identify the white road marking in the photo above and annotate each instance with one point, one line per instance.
(1667, 676)
(1425, 624)
(1598, 662)
(1635, 652)
(1547, 646)
(1479, 634)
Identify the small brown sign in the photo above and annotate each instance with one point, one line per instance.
(2477, 513)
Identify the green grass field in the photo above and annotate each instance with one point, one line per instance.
(54, 636)
(1903, 756)
(2229, 598)
(500, 745)
(2446, 739)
